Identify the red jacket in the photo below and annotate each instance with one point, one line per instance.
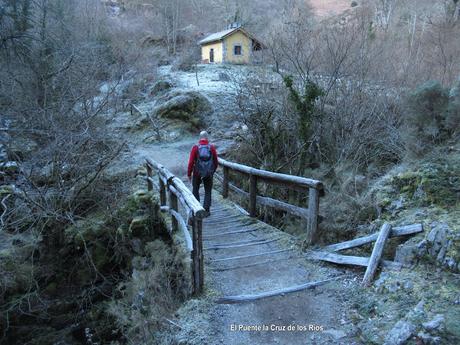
(194, 156)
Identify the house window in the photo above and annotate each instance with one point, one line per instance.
(237, 50)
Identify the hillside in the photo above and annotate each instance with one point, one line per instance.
(327, 8)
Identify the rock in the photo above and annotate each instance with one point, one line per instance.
(442, 251)
(3, 154)
(223, 76)
(419, 193)
(160, 86)
(442, 245)
(43, 175)
(136, 245)
(408, 285)
(379, 284)
(10, 168)
(417, 314)
(400, 333)
(139, 225)
(437, 324)
(420, 307)
(397, 204)
(141, 123)
(336, 333)
(21, 147)
(6, 190)
(428, 339)
(406, 253)
(437, 238)
(189, 106)
(422, 248)
(142, 197)
(450, 263)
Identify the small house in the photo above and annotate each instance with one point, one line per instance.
(234, 45)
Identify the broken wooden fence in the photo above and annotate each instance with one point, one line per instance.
(314, 188)
(371, 263)
(173, 190)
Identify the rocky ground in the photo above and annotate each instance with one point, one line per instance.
(419, 304)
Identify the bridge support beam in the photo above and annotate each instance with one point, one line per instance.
(225, 183)
(313, 211)
(197, 256)
(162, 191)
(173, 205)
(149, 175)
(252, 195)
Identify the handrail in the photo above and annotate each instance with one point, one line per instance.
(315, 190)
(169, 179)
(172, 188)
(264, 174)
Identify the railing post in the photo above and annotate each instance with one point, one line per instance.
(173, 205)
(162, 191)
(313, 212)
(199, 229)
(149, 176)
(197, 256)
(252, 195)
(225, 183)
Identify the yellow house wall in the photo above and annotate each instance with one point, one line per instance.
(231, 41)
(205, 49)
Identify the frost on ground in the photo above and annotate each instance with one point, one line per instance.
(219, 84)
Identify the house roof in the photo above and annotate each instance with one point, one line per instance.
(218, 36)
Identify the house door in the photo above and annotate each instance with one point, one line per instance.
(211, 55)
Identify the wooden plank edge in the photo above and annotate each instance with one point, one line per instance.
(377, 253)
(295, 288)
(396, 231)
(251, 255)
(217, 247)
(349, 259)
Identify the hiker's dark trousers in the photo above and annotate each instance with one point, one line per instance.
(207, 181)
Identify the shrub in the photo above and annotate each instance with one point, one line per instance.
(427, 111)
(157, 286)
(452, 121)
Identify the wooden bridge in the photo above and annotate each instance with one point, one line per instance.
(232, 229)
(235, 240)
(246, 260)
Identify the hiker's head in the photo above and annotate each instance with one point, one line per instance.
(203, 135)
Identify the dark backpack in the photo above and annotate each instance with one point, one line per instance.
(204, 163)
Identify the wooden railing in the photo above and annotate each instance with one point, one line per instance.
(302, 184)
(173, 189)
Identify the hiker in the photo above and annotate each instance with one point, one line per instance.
(202, 163)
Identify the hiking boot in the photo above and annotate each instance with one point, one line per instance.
(207, 214)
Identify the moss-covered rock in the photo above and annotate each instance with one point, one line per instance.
(140, 226)
(428, 192)
(188, 106)
(160, 86)
(435, 183)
